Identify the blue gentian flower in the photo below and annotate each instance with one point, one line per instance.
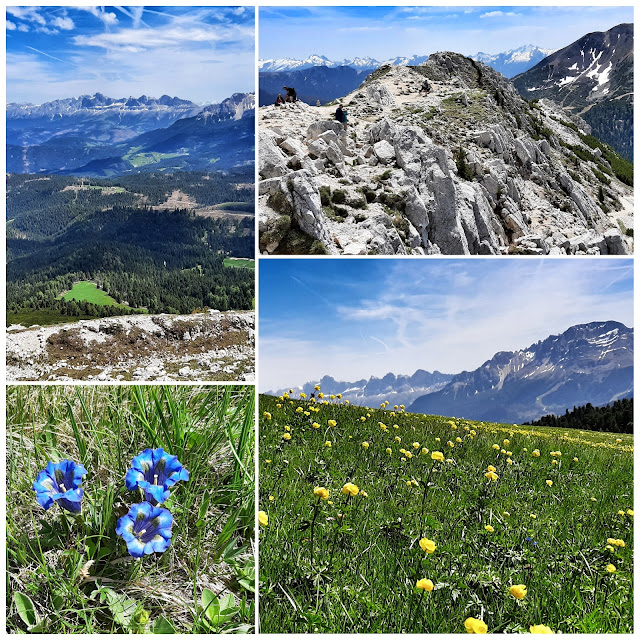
(145, 529)
(154, 471)
(60, 483)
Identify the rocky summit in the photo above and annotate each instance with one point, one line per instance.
(441, 158)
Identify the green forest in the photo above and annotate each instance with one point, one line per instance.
(62, 230)
(614, 418)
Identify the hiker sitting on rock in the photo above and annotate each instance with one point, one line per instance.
(279, 100)
(341, 115)
(292, 96)
(426, 87)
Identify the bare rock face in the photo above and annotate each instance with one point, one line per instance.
(202, 346)
(465, 167)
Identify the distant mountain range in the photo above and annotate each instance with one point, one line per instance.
(587, 363)
(593, 78)
(318, 78)
(105, 137)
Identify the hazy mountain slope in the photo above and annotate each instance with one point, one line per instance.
(511, 63)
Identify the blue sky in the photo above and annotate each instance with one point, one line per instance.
(386, 32)
(353, 318)
(202, 54)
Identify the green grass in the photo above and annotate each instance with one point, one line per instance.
(89, 291)
(350, 564)
(151, 157)
(241, 263)
(249, 207)
(74, 575)
(42, 317)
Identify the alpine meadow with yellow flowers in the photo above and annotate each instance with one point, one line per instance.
(382, 521)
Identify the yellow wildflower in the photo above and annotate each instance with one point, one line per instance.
(518, 591)
(263, 518)
(327, 443)
(550, 482)
(286, 436)
(425, 451)
(490, 475)
(540, 628)
(489, 528)
(491, 468)
(315, 425)
(332, 423)
(365, 445)
(428, 546)
(437, 455)
(536, 453)
(303, 395)
(611, 568)
(425, 584)
(388, 450)
(267, 415)
(630, 512)
(350, 489)
(496, 447)
(416, 445)
(473, 625)
(321, 492)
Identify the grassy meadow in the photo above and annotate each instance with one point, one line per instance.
(73, 574)
(89, 291)
(359, 506)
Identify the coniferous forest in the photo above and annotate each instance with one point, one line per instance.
(118, 234)
(614, 418)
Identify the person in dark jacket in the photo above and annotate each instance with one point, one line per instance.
(341, 115)
(292, 96)
(279, 100)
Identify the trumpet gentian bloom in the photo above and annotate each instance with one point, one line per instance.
(155, 471)
(60, 483)
(145, 529)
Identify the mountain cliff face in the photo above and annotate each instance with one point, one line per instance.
(91, 144)
(370, 393)
(593, 78)
(587, 363)
(468, 167)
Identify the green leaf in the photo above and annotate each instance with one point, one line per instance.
(433, 523)
(218, 610)
(162, 625)
(26, 609)
(209, 603)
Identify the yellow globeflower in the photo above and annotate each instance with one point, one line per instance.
(339, 396)
(496, 447)
(505, 443)
(550, 483)
(489, 528)
(428, 546)
(363, 419)
(321, 492)
(536, 453)
(575, 459)
(503, 451)
(540, 628)
(618, 440)
(491, 468)
(451, 443)
(321, 395)
(509, 461)
(425, 584)
(365, 445)
(332, 423)
(506, 514)
(327, 443)
(437, 455)
(398, 439)
(350, 489)
(554, 462)
(609, 548)
(490, 475)
(425, 451)
(611, 568)
(615, 542)
(509, 453)
(271, 498)
(388, 450)
(315, 425)
(278, 406)
(473, 625)
(533, 515)
(299, 410)
(437, 439)
(458, 440)
(287, 427)
(267, 415)
(332, 397)
(630, 512)
(286, 436)
(263, 518)
(316, 387)
(363, 493)
(518, 591)
(416, 445)
(303, 395)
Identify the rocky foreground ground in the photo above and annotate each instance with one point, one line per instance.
(468, 167)
(210, 346)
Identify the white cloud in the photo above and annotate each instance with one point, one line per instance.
(23, 27)
(11, 26)
(65, 23)
(29, 14)
(99, 12)
(498, 14)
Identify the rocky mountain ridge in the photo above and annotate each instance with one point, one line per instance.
(467, 167)
(402, 389)
(200, 346)
(587, 363)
